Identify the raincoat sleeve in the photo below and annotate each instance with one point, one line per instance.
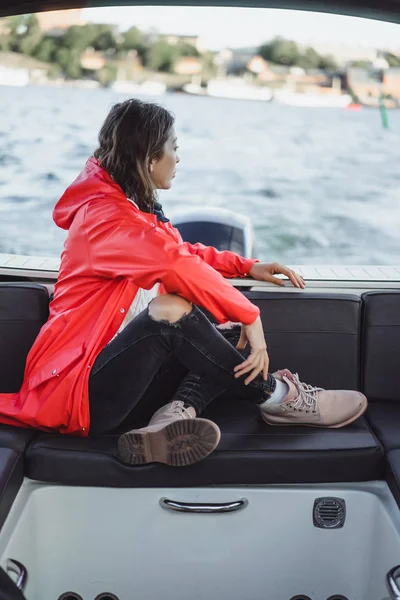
(148, 255)
(228, 263)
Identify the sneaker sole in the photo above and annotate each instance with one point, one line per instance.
(178, 444)
(336, 426)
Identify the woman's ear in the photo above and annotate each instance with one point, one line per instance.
(151, 166)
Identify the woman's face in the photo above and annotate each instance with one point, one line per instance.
(162, 171)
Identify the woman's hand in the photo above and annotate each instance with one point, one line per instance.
(258, 360)
(266, 272)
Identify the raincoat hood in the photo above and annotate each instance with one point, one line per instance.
(93, 182)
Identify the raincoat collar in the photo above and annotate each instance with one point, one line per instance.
(158, 211)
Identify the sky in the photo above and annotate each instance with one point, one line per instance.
(240, 27)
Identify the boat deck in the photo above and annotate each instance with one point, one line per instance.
(356, 277)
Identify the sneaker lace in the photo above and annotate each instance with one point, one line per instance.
(179, 409)
(307, 399)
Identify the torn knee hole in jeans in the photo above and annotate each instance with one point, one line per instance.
(230, 331)
(177, 324)
(229, 326)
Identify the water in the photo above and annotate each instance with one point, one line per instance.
(321, 185)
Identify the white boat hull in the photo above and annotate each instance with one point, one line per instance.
(94, 540)
(194, 88)
(147, 88)
(313, 100)
(238, 90)
(14, 77)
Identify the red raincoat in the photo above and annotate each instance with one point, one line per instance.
(111, 250)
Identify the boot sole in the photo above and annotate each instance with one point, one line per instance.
(178, 444)
(336, 426)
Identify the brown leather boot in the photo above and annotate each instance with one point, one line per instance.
(313, 406)
(174, 436)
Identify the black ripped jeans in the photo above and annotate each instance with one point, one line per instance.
(151, 363)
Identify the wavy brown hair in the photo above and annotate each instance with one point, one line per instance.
(134, 134)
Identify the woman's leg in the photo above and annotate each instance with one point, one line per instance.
(173, 382)
(160, 391)
(124, 369)
(126, 366)
(199, 391)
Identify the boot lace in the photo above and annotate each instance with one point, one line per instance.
(307, 399)
(180, 410)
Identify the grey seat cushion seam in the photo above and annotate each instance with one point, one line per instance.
(2, 491)
(298, 295)
(382, 326)
(230, 452)
(318, 331)
(392, 468)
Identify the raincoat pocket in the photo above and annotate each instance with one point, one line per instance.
(56, 366)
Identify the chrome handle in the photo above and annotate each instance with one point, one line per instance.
(193, 507)
(391, 580)
(14, 566)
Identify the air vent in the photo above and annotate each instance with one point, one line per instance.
(301, 597)
(70, 596)
(106, 596)
(329, 513)
(337, 597)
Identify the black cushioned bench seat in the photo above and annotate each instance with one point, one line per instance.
(381, 364)
(250, 452)
(13, 443)
(24, 308)
(15, 438)
(314, 334)
(384, 419)
(317, 335)
(11, 476)
(393, 473)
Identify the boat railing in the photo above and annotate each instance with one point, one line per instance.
(318, 277)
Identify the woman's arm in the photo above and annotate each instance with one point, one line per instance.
(228, 263)
(148, 255)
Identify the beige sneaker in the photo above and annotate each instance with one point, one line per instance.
(174, 436)
(308, 405)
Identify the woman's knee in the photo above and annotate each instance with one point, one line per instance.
(228, 326)
(169, 307)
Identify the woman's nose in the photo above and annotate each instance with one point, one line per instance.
(178, 159)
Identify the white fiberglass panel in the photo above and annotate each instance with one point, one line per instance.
(93, 540)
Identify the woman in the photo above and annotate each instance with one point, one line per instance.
(124, 315)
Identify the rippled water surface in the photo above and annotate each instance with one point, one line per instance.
(321, 185)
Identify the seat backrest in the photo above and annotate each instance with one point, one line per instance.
(314, 334)
(381, 345)
(24, 308)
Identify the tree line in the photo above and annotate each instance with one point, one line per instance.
(63, 50)
(285, 52)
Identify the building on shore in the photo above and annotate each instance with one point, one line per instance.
(92, 60)
(367, 88)
(59, 20)
(19, 70)
(188, 65)
(391, 82)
